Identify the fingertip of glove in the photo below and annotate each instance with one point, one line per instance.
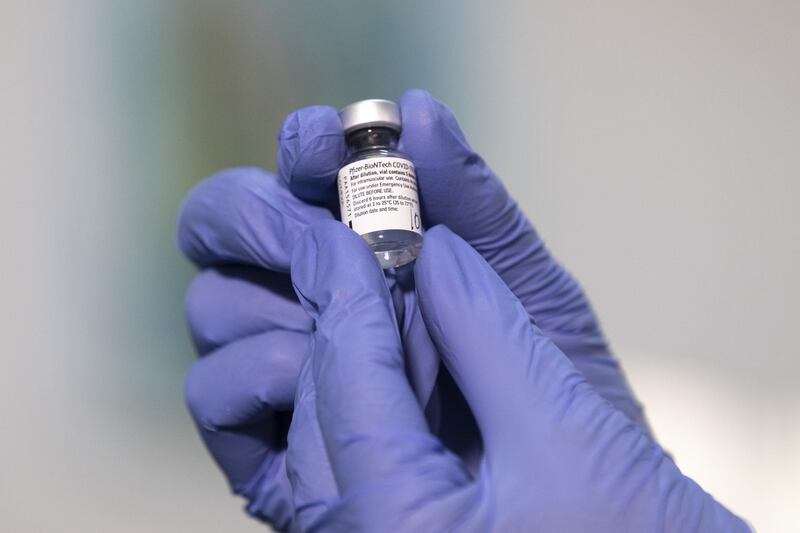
(439, 249)
(441, 271)
(330, 236)
(311, 148)
(419, 101)
(449, 269)
(329, 257)
(232, 186)
(429, 127)
(420, 113)
(307, 123)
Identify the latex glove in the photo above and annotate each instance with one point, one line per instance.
(558, 457)
(241, 227)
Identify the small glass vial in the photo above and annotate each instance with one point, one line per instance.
(378, 185)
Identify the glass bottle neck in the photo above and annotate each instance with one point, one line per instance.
(372, 139)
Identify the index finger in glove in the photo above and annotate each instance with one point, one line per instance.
(243, 216)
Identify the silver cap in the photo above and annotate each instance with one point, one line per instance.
(370, 113)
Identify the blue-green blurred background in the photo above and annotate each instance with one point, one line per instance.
(653, 143)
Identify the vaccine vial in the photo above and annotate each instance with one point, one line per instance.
(378, 185)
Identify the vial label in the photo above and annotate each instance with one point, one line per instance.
(378, 194)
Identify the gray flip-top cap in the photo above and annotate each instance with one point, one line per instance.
(370, 113)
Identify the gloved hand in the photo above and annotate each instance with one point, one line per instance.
(558, 457)
(241, 227)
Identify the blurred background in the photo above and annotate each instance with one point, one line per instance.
(655, 145)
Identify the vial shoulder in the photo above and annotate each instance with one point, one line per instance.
(378, 152)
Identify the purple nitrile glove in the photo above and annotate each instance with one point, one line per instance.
(558, 456)
(241, 227)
